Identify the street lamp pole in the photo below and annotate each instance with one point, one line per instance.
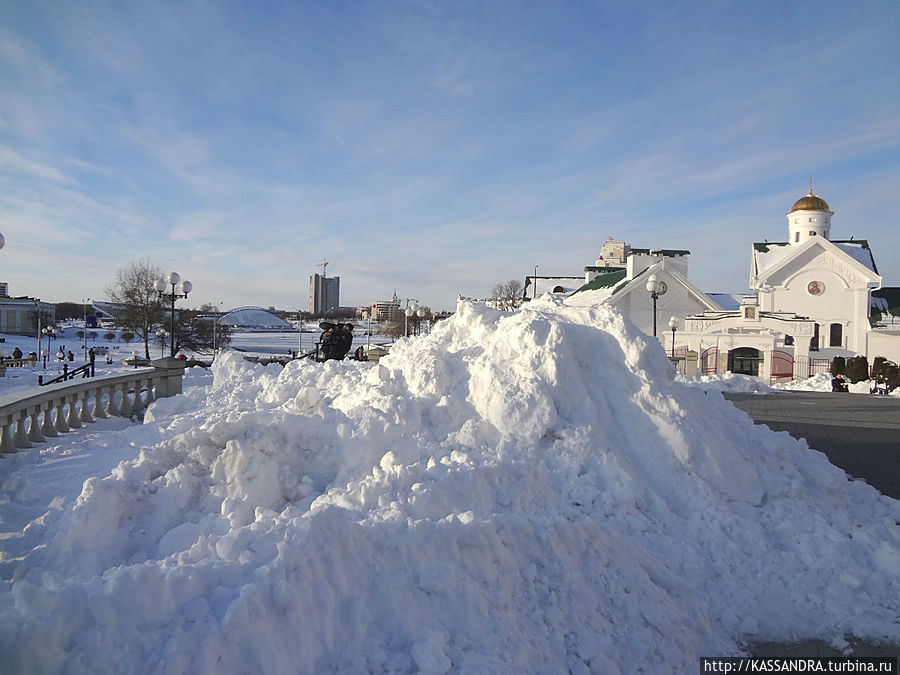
(173, 279)
(84, 304)
(37, 314)
(215, 325)
(653, 288)
(534, 284)
(673, 324)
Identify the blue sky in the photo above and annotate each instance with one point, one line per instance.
(432, 148)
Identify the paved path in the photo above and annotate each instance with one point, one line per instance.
(858, 432)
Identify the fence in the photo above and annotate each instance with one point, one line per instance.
(32, 415)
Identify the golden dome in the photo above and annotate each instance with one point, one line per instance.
(810, 203)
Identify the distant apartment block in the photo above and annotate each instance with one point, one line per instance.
(386, 310)
(324, 294)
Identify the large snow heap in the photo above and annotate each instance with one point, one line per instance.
(516, 492)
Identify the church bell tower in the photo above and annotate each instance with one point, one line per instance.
(809, 217)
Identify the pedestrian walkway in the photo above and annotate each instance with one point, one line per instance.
(860, 433)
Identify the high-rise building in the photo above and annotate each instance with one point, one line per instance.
(324, 294)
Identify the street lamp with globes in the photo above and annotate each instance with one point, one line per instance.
(180, 289)
(50, 332)
(408, 312)
(673, 324)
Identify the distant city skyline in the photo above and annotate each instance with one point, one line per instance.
(432, 149)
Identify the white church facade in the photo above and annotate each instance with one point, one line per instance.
(810, 300)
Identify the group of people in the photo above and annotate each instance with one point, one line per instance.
(17, 354)
(335, 341)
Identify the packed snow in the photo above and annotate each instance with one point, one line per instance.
(515, 492)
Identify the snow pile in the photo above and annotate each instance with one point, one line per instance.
(730, 382)
(516, 492)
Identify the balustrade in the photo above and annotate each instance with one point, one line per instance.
(33, 415)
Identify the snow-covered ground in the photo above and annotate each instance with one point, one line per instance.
(731, 382)
(516, 492)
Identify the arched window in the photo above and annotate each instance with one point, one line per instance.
(559, 289)
(837, 335)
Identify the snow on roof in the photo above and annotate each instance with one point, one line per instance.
(858, 250)
(514, 492)
(730, 302)
(252, 317)
(551, 285)
(767, 254)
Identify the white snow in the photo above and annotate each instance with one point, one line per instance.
(516, 492)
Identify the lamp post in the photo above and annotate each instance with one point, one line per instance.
(653, 289)
(216, 324)
(49, 331)
(534, 284)
(180, 289)
(85, 302)
(161, 335)
(408, 312)
(673, 324)
(37, 314)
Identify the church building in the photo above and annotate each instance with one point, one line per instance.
(811, 298)
(810, 301)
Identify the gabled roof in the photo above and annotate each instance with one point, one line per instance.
(771, 257)
(730, 302)
(639, 280)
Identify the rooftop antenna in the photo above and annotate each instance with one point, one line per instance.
(810, 187)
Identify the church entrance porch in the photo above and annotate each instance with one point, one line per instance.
(745, 361)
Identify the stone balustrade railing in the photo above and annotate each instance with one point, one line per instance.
(32, 415)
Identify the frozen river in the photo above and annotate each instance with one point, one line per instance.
(282, 343)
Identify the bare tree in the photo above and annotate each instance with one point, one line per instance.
(134, 288)
(508, 296)
(200, 331)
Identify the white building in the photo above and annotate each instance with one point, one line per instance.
(19, 316)
(624, 271)
(810, 301)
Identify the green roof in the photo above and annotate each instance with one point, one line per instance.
(892, 296)
(763, 247)
(604, 280)
(667, 252)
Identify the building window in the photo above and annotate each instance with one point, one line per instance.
(788, 340)
(814, 340)
(837, 335)
(812, 233)
(796, 237)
